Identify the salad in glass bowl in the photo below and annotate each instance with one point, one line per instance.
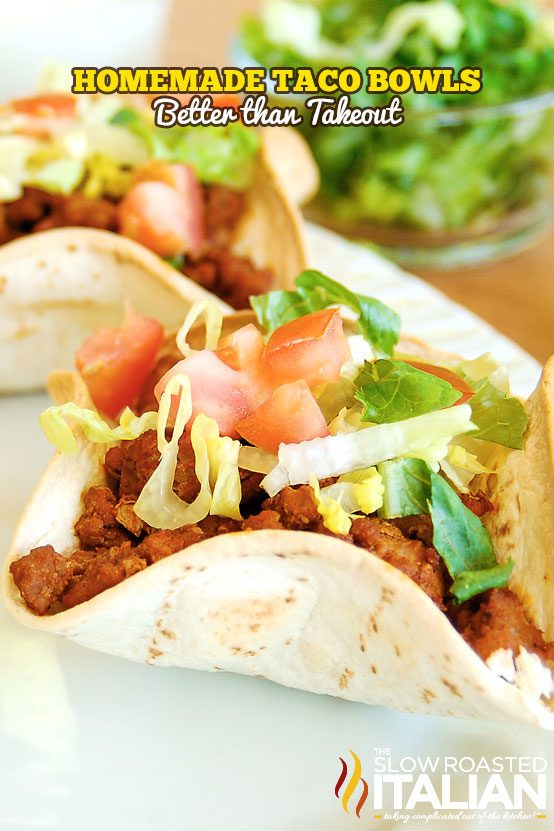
(466, 177)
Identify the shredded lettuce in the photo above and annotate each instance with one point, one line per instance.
(223, 457)
(461, 467)
(335, 518)
(347, 420)
(219, 155)
(15, 152)
(486, 366)
(345, 453)
(336, 397)
(58, 425)
(58, 176)
(406, 487)
(213, 317)
(256, 459)
(216, 467)
(439, 19)
(498, 417)
(361, 490)
(378, 324)
(393, 390)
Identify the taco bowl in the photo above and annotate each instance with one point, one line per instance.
(214, 213)
(304, 586)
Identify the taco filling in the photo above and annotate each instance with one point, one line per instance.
(311, 416)
(181, 192)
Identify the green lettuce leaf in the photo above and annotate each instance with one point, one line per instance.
(470, 583)
(499, 417)
(459, 536)
(407, 487)
(394, 390)
(379, 324)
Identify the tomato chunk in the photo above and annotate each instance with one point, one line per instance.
(115, 363)
(290, 415)
(218, 391)
(312, 348)
(164, 209)
(47, 105)
(447, 375)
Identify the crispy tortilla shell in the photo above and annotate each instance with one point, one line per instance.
(522, 523)
(298, 608)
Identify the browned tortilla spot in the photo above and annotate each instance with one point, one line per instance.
(167, 633)
(344, 680)
(254, 627)
(428, 696)
(452, 687)
(397, 650)
(155, 653)
(374, 669)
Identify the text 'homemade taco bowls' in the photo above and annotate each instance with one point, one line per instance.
(302, 507)
(212, 202)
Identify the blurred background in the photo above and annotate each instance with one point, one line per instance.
(448, 190)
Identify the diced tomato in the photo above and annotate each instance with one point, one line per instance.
(115, 363)
(178, 176)
(218, 391)
(48, 105)
(290, 415)
(164, 218)
(447, 375)
(243, 348)
(312, 348)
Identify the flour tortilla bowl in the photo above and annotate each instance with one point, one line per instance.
(302, 609)
(59, 286)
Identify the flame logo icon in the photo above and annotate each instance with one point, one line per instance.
(352, 784)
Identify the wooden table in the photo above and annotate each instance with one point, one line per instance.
(515, 295)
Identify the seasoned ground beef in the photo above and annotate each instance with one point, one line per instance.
(116, 544)
(496, 620)
(37, 210)
(423, 565)
(98, 527)
(478, 503)
(41, 577)
(232, 278)
(215, 267)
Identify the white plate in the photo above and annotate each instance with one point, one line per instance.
(89, 742)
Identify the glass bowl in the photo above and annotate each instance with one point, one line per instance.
(445, 188)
